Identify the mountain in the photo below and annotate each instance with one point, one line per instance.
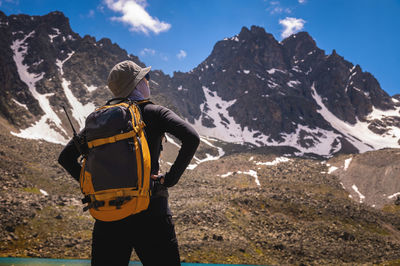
(252, 89)
(255, 89)
(45, 66)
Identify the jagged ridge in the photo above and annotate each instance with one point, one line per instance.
(251, 89)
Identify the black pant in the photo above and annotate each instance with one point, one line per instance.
(152, 237)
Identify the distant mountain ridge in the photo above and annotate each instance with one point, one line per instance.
(251, 89)
(255, 89)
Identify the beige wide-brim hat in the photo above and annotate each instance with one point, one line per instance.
(124, 77)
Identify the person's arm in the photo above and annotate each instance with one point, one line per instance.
(69, 160)
(174, 125)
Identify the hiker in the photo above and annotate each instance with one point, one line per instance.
(150, 232)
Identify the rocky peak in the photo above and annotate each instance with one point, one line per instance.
(2, 15)
(89, 39)
(300, 38)
(255, 34)
(258, 30)
(56, 18)
(251, 48)
(301, 46)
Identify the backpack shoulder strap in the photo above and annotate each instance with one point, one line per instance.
(116, 100)
(144, 102)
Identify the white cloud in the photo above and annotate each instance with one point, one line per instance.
(276, 8)
(147, 51)
(181, 55)
(280, 10)
(100, 8)
(291, 25)
(135, 15)
(164, 57)
(91, 13)
(302, 1)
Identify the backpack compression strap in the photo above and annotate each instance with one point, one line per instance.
(114, 198)
(112, 139)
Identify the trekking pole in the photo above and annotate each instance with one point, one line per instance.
(79, 142)
(72, 126)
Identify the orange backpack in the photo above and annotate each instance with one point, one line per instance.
(115, 175)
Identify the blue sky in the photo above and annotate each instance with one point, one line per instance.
(178, 35)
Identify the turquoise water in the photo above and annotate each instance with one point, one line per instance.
(60, 262)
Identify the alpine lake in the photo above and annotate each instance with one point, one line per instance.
(76, 262)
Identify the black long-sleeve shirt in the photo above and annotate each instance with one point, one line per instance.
(159, 120)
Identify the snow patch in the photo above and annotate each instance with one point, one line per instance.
(359, 134)
(43, 192)
(44, 128)
(274, 162)
(361, 196)
(272, 84)
(273, 70)
(234, 38)
(209, 157)
(21, 104)
(227, 174)
(253, 174)
(317, 140)
(152, 81)
(90, 88)
(215, 109)
(172, 141)
(394, 195)
(293, 83)
(250, 173)
(296, 68)
(332, 169)
(347, 163)
(79, 111)
(52, 36)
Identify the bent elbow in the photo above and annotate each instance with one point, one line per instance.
(61, 159)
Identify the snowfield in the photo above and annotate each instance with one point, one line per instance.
(49, 127)
(359, 134)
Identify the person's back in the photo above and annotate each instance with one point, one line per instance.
(151, 232)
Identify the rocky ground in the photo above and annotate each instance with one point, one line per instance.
(298, 214)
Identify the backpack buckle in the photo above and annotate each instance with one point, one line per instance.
(119, 201)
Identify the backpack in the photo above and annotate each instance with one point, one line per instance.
(115, 175)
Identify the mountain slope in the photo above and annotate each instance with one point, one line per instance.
(244, 208)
